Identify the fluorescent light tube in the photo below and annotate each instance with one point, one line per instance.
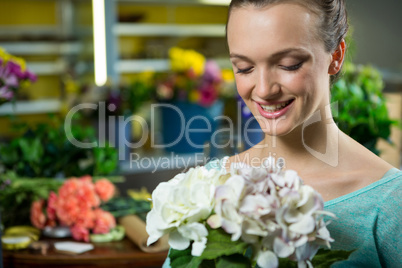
(99, 33)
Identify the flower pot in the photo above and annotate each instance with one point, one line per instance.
(186, 127)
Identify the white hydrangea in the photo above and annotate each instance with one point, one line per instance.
(179, 207)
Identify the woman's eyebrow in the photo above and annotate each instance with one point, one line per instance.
(276, 55)
(239, 56)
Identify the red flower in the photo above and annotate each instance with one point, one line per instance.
(104, 221)
(51, 206)
(80, 233)
(105, 189)
(86, 218)
(38, 218)
(77, 205)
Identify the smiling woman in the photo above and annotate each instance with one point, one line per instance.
(281, 76)
(285, 55)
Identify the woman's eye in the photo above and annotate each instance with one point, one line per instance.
(292, 67)
(244, 71)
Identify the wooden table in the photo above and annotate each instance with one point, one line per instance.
(121, 254)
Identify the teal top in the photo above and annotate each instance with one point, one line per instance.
(368, 220)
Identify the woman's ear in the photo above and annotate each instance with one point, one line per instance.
(337, 58)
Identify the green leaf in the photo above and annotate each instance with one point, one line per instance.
(219, 244)
(233, 261)
(325, 258)
(32, 150)
(287, 263)
(183, 259)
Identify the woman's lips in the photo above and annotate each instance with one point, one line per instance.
(274, 110)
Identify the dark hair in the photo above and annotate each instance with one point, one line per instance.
(332, 13)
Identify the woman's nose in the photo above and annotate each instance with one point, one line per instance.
(267, 86)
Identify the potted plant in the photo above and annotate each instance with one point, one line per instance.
(191, 95)
(361, 110)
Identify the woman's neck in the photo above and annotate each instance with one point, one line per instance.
(314, 144)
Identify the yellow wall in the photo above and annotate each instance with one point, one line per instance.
(20, 12)
(174, 14)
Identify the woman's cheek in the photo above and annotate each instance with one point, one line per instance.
(294, 82)
(244, 87)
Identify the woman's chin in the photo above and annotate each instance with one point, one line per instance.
(277, 129)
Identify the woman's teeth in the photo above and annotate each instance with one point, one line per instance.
(275, 107)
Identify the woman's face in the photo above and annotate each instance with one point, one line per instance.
(280, 64)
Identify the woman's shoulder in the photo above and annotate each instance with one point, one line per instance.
(383, 192)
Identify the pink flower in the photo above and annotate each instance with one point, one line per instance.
(208, 95)
(213, 72)
(86, 218)
(80, 233)
(105, 189)
(86, 193)
(51, 206)
(77, 205)
(104, 221)
(67, 210)
(76, 197)
(6, 93)
(38, 218)
(86, 178)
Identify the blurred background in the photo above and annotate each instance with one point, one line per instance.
(172, 52)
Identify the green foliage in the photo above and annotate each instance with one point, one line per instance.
(221, 252)
(122, 206)
(220, 244)
(137, 93)
(16, 195)
(45, 151)
(184, 259)
(219, 247)
(325, 257)
(235, 261)
(360, 106)
(131, 97)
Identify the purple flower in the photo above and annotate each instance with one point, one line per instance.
(212, 72)
(30, 76)
(208, 95)
(6, 93)
(8, 75)
(15, 69)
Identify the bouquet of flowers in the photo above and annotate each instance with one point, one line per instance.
(76, 205)
(250, 216)
(193, 79)
(13, 75)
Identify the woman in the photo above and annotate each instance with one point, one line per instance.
(284, 55)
